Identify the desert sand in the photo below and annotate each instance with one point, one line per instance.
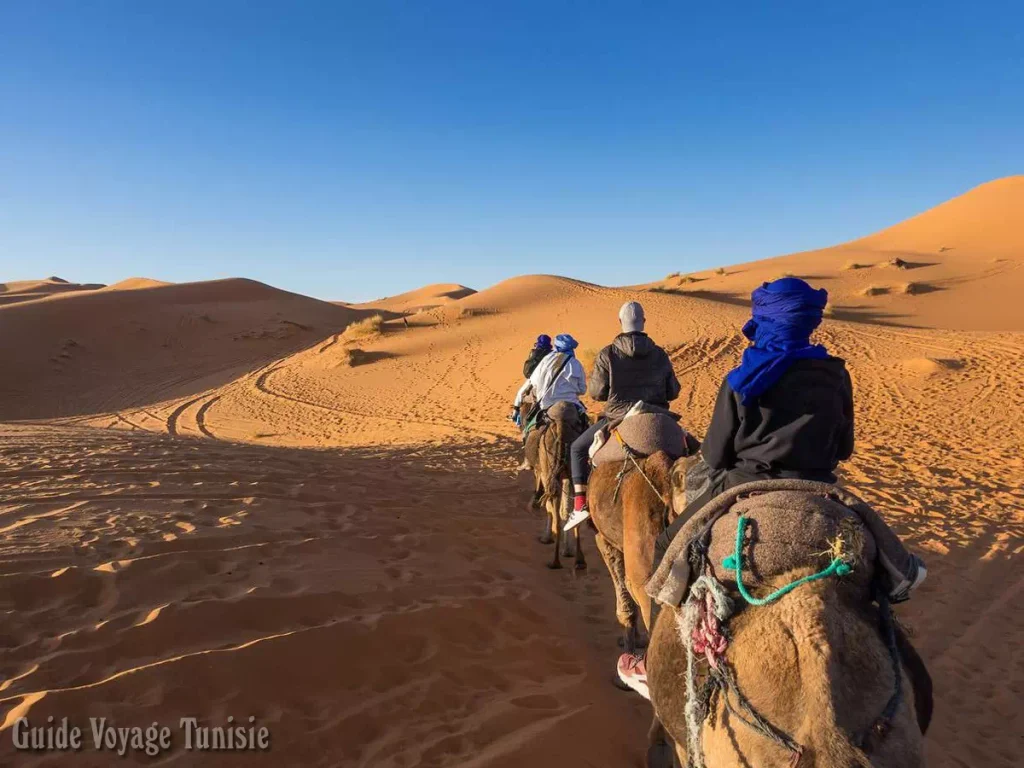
(225, 499)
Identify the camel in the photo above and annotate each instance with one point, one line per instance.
(629, 515)
(814, 666)
(547, 450)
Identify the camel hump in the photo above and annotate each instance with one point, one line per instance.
(646, 434)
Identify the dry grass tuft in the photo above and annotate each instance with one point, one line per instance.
(673, 276)
(687, 279)
(362, 329)
(898, 263)
(854, 265)
(720, 271)
(912, 289)
(475, 312)
(874, 290)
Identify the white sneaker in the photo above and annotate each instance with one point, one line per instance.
(577, 517)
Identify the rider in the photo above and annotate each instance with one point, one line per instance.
(630, 369)
(541, 349)
(785, 412)
(558, 377)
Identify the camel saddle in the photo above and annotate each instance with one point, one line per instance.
(794, 524)
(645, 433)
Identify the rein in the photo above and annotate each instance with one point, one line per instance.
(631, 459)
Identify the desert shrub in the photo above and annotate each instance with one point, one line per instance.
(475, 311)
(853, 265)
(364, 328)
(913, 288)
(874, 290)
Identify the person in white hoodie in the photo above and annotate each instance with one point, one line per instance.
(558, 378)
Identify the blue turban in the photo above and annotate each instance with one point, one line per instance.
(543, 342)
(785, 312)
(565, 343)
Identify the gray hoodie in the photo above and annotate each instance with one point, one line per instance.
(629, 369)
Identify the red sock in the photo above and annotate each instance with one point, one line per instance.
(579, 502)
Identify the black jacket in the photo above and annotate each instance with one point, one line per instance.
(801, 427)
(536, 355)
(630, 369)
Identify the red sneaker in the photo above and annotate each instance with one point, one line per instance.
(633, 672)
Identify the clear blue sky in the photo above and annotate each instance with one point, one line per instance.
(350, 150)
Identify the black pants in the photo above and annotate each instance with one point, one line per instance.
(579, 453)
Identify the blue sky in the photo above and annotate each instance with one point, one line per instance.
(356, 150)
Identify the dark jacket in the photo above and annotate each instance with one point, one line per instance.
(536, 355)
(802, 427)
(629, 369)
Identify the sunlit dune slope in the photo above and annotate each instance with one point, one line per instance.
(96, 351)
(958, 266)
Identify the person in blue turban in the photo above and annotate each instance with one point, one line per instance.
(786, 411)
(559, 377)
(541, 349)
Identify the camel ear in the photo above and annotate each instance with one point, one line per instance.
(679, 475)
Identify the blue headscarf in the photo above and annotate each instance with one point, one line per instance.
(543, 342)
(565, 343)
(785, 312)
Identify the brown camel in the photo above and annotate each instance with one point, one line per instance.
(814, 665)
(629, 514)
(547, 450)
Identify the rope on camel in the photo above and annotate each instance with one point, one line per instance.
(734, 562)
(701, 626)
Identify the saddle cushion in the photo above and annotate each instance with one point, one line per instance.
(793, 524)
(646, 434)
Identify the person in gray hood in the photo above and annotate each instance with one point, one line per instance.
(630, 369)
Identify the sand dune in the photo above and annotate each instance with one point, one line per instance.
(958, 266)
(29, 290)
(385, 604)
(135, 283)
(427, 297)
(100, 351)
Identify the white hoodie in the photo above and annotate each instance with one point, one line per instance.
(568, 386)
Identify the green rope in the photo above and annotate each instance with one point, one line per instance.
(735, 563)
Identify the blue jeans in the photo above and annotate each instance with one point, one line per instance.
(579, 458)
